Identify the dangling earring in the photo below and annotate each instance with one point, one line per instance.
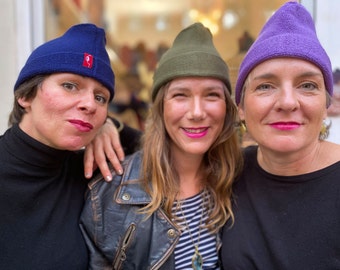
(324, 132)
(243, 127)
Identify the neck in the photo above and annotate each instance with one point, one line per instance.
(190, 176)
(309, 159)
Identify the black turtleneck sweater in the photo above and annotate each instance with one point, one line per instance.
(41, 197)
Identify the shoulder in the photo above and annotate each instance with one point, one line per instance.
(250, 164)
(250, 153)
(131, 166)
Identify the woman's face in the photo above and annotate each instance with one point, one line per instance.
(67, 111)
(284, 104)
(194, 114)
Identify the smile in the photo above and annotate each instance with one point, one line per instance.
(195, 133)
(285, 125)
(195, 130)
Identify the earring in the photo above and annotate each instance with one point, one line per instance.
(243, 127)
(324, 132)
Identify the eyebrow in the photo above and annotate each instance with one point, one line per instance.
(300, 75)
(210, 87)
(311, 74)
(262, 76)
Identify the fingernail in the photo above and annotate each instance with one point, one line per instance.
(108, 178)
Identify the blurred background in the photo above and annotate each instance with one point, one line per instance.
(139, 32)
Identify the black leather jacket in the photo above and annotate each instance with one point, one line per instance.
(117, 235)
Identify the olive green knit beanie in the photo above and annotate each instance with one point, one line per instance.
(192, 54)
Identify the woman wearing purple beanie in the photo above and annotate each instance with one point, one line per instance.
(287, 200)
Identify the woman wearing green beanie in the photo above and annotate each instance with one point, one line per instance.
(166, 210)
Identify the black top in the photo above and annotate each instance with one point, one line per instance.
(41, 197)
(284, 222)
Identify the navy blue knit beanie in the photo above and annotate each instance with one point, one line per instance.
(290, 32)
(81, 50)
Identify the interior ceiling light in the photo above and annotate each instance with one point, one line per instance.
(230, 19)
(208, 19)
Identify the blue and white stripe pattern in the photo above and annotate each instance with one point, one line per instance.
(206, 242)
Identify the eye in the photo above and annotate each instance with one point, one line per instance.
(308, 86)
(69, 86)
(217, 94)
(177, 95)
(264, 87)
(101, 99)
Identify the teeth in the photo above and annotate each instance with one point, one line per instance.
(194, 130)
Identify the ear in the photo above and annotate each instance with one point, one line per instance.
(23, 102)
(240, 112)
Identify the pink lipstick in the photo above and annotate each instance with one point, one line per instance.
(285, 125)
(195, 133)
(81, 125)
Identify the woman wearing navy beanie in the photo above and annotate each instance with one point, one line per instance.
(286, 201)
(61, 101)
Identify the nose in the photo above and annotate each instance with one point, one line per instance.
(196, 110)
(287, 99)
(87, 102)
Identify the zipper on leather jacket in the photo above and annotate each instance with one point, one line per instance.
(121, 252)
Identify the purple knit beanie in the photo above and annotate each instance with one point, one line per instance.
(290, 32)
(81, 50)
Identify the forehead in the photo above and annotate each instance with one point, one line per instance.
(286, 63)
(195, 81)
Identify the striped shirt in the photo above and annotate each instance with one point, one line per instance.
(192, 208)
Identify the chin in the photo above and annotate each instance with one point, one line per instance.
(282, 146)
(75, 144)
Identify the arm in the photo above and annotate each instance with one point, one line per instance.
(106, 146)
(88, 225)
(96, 259)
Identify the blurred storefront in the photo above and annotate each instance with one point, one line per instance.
(138, 32)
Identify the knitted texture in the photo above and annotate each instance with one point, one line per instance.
(81, 50)
(290, 32)
(192, 54)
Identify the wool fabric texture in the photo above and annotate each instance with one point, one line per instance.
(290, 32)
(80, 50)
(192, 54)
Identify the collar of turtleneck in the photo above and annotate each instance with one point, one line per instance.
(31, 151)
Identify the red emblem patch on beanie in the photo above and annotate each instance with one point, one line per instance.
(88, 60)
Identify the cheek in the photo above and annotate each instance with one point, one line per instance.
(102, 115)
(51, 101)
(218, 112)
(47, 107)
(173, 111)
(315, 114)
(255, 108)
(99, 118)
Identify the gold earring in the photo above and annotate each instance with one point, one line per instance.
(324, 132)
(243, 127)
